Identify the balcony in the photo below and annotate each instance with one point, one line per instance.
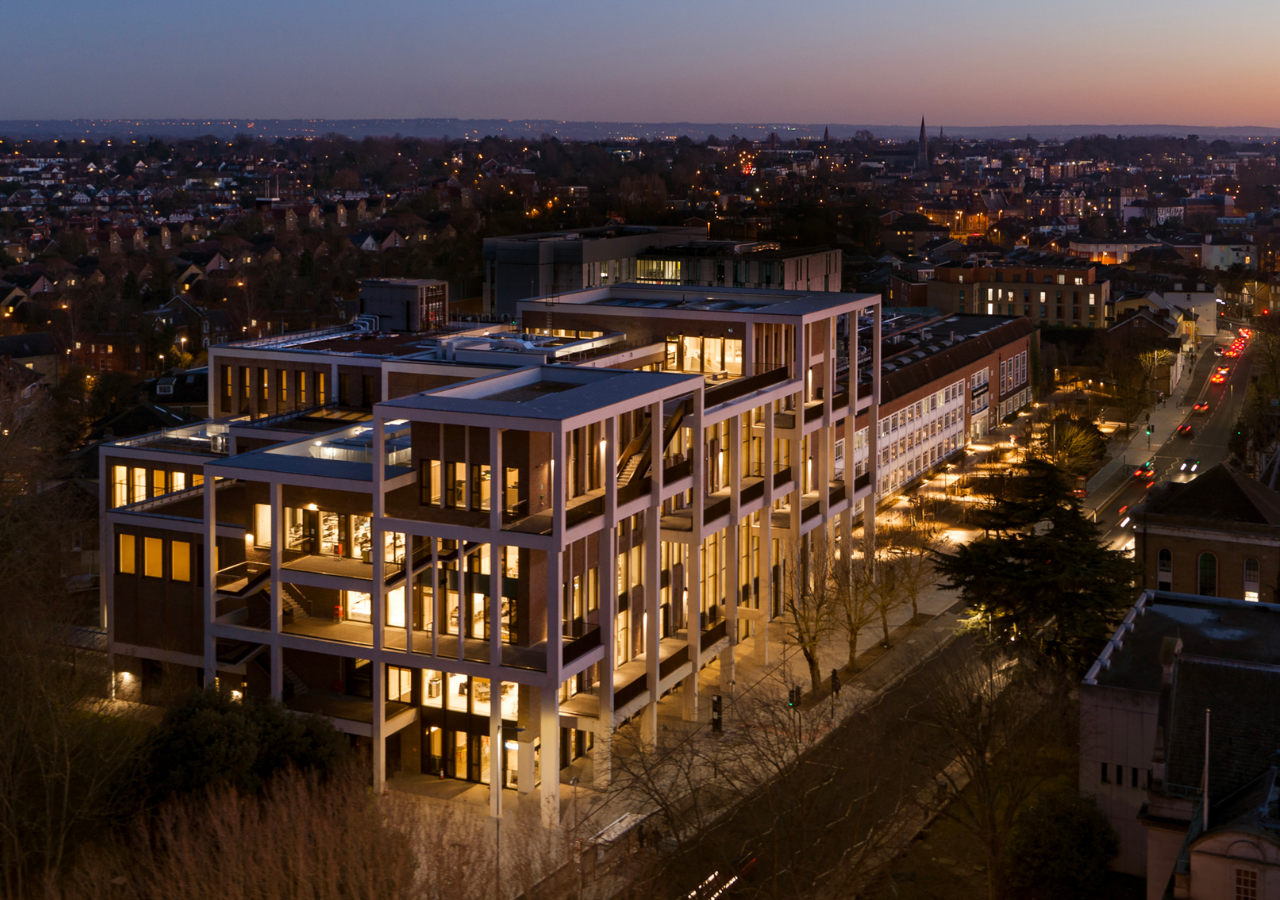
(714, 634)
(813, 411)
(242, 578)
(631, 679)
(742, 387)
(578, 510)
(580, 646)
(752, 490)
(338, 566)
(781, 478)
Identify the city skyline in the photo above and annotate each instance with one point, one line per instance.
(715, 62)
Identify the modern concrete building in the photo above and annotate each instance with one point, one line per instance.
(548, 263)
(752, 264)
(480, 553)
(405, 304)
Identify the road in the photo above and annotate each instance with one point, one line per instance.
(1208, 444)
(866, 772)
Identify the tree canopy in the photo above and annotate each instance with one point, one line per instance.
(214, 741)
(1041, 585)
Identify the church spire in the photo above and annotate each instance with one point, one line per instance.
(922, 149)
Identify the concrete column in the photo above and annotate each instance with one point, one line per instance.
(558, 483)
(749, 350)
(379, 724)
(495, 743)
(766, 585)
(652, 637)
(602, 758)
(693, 615)
(530, 718)
(550, 754)
(608, 619)
(873, 442)
(733, 593)
(210, 578)
(276, 539)
(277, 671)
(378, 587)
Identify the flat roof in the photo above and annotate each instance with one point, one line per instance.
(1211, 627)
(545, 392)
(691, 300)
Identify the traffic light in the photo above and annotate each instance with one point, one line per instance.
(1150, 429)
(717, 718)
(793, 697)
(835, 682)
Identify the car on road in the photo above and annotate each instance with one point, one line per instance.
(1187, 469)
(1217, 351)
(1145, 471)
(1224, 370)
(1217, 378)
(1232, 353)
(1185, 430)
(1201, 407)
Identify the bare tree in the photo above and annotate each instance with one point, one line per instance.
(1010, 733)
(855, 609)
(811, 603)
(767, 808)
(911, 550)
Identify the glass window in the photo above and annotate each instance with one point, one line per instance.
(395, 608)
(1208, 574)
(481, 698)
(178, 481)
(399, 684)
(733, 356)
(1252, 578)
(432, 688)
(153, 557)
(712, 350)
(692, 354)
(180, 561)
(456, 692)
(359, 606)
(261, 525)
(139, 489)
(119, 486)
(127, 555)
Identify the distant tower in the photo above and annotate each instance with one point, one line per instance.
(826, 135)
(922, 150)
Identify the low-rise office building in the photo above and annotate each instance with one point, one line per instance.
(946, 381)
(479, 554)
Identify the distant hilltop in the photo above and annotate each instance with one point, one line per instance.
(68, 129)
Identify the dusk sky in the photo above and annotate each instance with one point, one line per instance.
(986, 62)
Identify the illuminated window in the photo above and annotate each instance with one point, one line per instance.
(119, 486)
(158, 479)
(153, 557)
(127, 555)
(180, 561)
(138, 493)
(1252, 578)
(178, 481)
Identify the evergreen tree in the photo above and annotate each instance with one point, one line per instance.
(1040, 585)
